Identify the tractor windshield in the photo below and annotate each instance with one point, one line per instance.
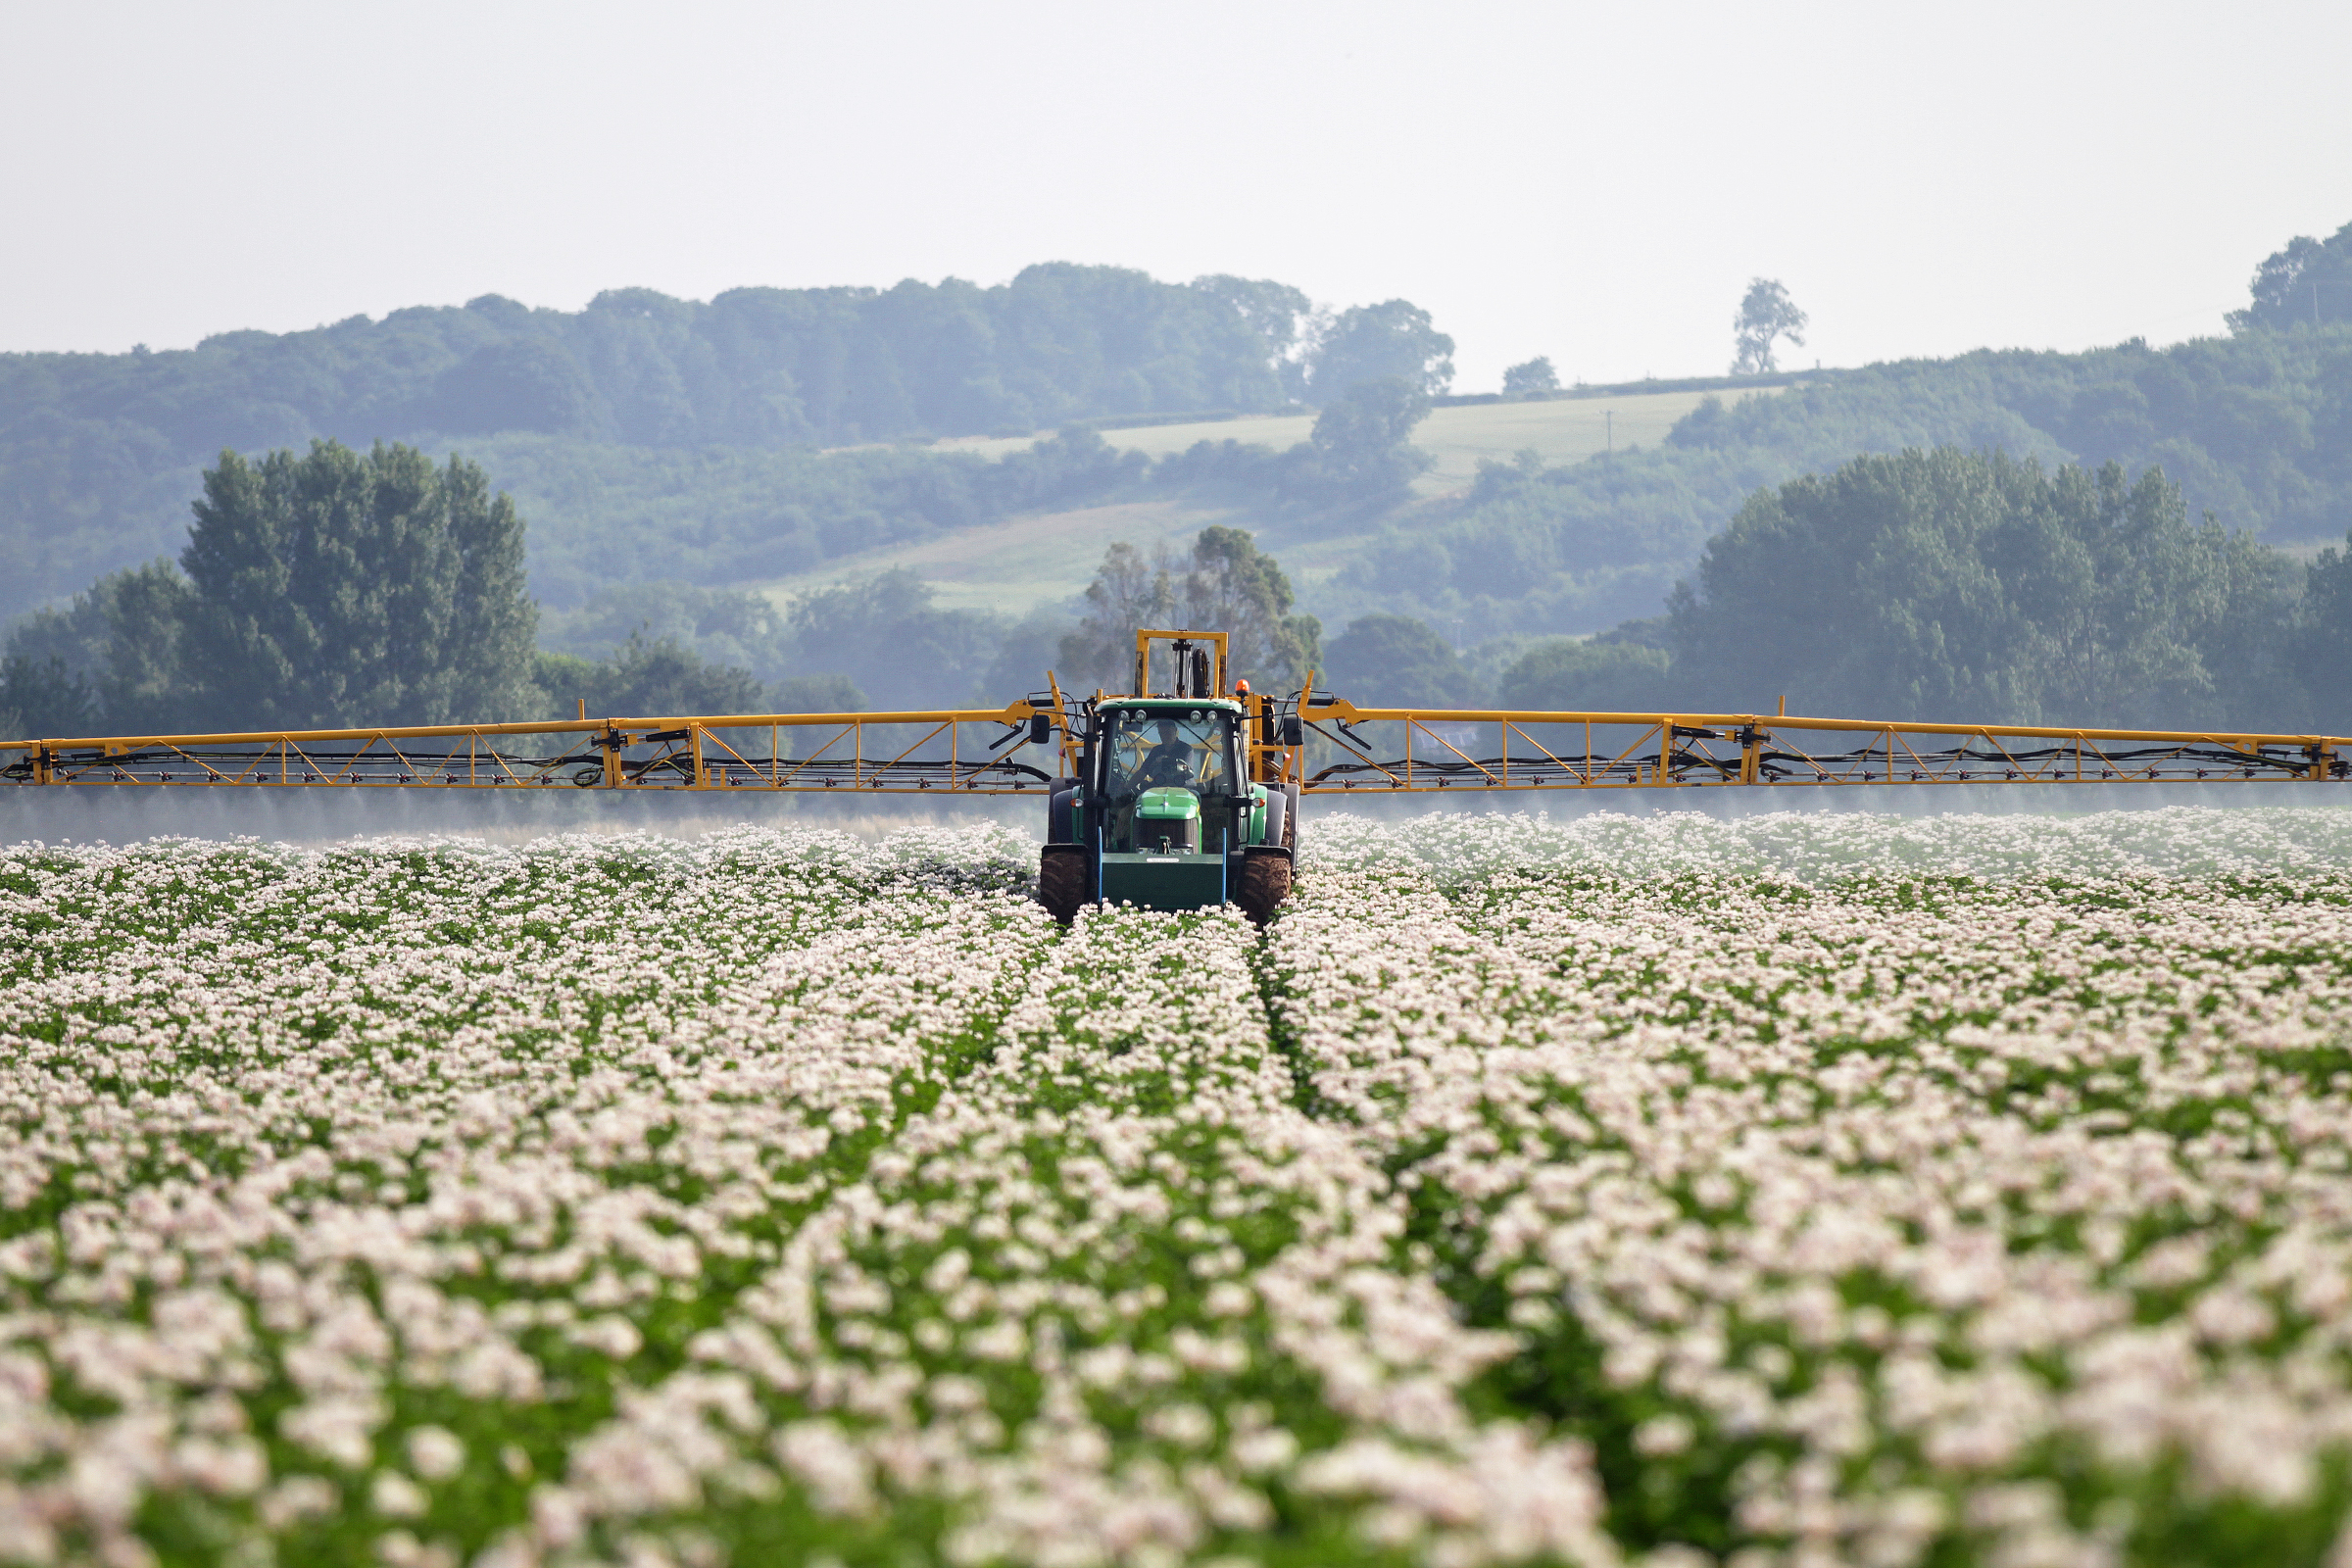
(1155, 751)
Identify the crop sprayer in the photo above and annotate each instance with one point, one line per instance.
(1183, 792)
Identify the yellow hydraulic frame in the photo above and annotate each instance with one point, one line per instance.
(1183, 644)
(811, 752)
(988, 751)
(1431, 748)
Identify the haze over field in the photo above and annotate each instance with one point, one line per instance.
(784, 420)
(630, 1099)
(1591, 183)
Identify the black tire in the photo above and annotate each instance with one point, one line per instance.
(1289, 818)
(1264, 883)
(1061, 880)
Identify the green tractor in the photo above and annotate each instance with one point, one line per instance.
(1179, 800)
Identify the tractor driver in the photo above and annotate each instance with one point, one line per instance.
(1170, 763)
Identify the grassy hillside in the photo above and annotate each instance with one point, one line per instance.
(2255, 428)
(1015, 566)
(100, 453)
(1560, 431)
(1046, 557)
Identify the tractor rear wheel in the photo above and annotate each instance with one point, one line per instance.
(1265, 881)
(1061, 880)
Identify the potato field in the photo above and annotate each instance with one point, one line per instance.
(1788, 1192)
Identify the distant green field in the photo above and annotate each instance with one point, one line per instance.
(1015, 566)
(1567, 430)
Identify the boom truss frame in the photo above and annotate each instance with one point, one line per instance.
(1431, 748)
(854, 752)
(1033, 743)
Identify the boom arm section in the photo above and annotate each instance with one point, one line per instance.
(1401, 748)
(956, 751)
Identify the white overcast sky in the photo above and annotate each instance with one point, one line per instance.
(1593, 183)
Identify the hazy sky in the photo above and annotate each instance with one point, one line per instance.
(1593, 183)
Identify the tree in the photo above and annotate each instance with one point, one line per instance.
(1396, 661)
(1766, 313)
(660, 678)
(1956, 585)
(2321, 648)
(1535, 376)
(2309, 282)
(42, 699)
(1393, 339)
(1588, 675)
(1236, 588)
(1361, 446)
(1132, 590)
(334, 589)
(907, 652)
(525, 384)
(1275, 312)
(1225, 583)
(108, 661)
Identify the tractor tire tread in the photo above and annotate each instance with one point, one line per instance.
(1061, 881)
(1265, 881)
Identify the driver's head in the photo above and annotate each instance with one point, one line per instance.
(1168, 732)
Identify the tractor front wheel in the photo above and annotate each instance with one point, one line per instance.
(1265, 882)
(1061, 880)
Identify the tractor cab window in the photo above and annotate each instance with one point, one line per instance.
(1152, 753)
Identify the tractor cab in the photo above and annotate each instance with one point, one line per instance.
(1162, 765)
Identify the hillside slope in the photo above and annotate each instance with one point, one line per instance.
(1044, 558)
(2256, 428)
(99, 453)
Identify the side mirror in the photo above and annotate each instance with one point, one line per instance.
(1041, 728)
(1294, 731)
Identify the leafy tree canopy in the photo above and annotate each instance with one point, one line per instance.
(337, 589)
(1224, 583)
(1362, 446)
(1971, 587)
(1396, 661)
(1393, 340)
(1766, 315)
(320, 591)
(905, 651)
(1588, 675)
(2309, 282)
(1531, 376)
(650, 678)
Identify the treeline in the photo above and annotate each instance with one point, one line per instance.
(340, 589)
(724, 514)
(99, 452)
(1934, 584)
(331, 589)
(2255, 428)
(1938, 585)
(337, 589)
